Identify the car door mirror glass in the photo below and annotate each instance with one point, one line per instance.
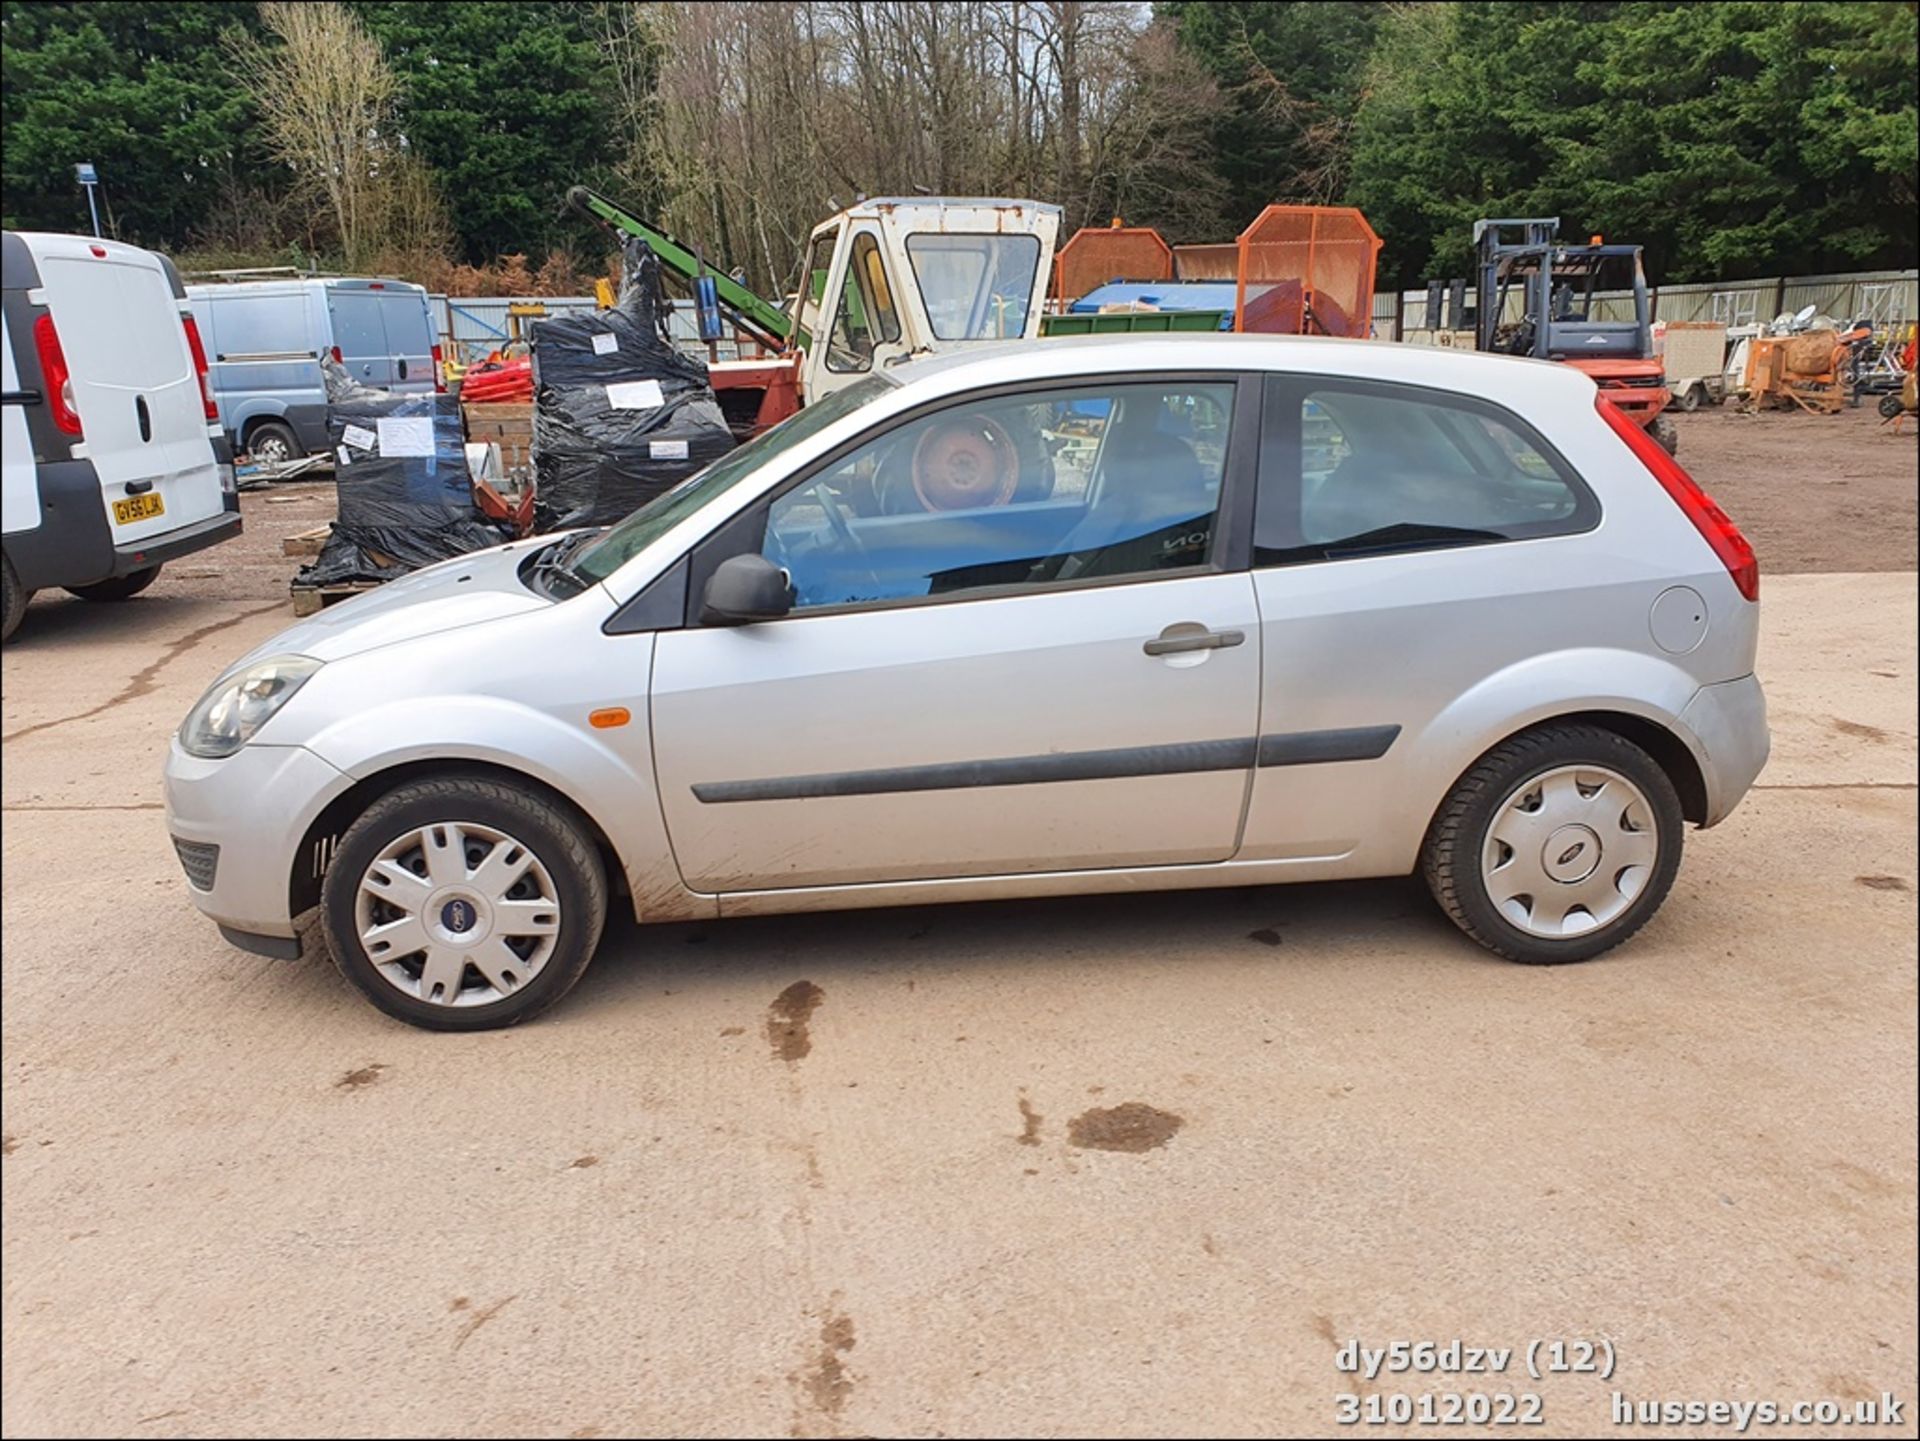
(744, 589)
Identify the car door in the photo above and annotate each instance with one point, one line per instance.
(1409, 543)
(1021, 641)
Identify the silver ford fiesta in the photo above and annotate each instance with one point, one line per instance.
(1065, 617)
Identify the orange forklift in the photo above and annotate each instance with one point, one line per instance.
(1540, 298)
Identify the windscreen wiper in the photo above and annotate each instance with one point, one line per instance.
(552, 566)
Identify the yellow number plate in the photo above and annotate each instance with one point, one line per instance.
(137, 507)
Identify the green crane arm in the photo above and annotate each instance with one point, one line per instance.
(762, 319)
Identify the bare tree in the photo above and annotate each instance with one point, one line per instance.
(766, 117)
(326, 97)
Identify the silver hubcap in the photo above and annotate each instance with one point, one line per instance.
(1569, 851)
(272, 450)
(457, 914)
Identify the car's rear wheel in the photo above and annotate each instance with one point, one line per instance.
(1557, 845)
(464, 903)
(271, 442)
(16, 597)
(121, 587)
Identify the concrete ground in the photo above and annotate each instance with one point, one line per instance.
(239, 1200)
(850, 1174)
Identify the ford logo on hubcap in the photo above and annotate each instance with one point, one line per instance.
(458, 915)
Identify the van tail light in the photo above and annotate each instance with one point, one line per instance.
(338, 359)
(1712, 522)
(55, 375)
(200, 366)
(439, 372)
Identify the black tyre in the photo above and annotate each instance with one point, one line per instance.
(121, 587)
(15, 603)
(464, 903)
(272, 442)
(1664, 431)
(1889, 406)
(1557, 845)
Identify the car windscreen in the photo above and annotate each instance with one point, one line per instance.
(654, 519)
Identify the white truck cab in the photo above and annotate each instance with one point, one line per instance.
(914, 274)
(114, 459)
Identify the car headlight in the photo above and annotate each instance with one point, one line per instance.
(239, 704)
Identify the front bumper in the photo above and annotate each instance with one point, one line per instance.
(256, 806)
(1730, 722)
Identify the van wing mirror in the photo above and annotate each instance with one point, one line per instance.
(744, 589)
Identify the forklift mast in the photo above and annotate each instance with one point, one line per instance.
(1558, 287)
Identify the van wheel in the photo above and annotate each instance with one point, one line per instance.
(1558, 845)
(463, 904)
(121, 587)
(272, 443)
(17, 597)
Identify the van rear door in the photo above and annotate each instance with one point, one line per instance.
(136, 390)
(409, 326)
(359, 332)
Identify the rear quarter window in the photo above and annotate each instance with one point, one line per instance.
(1353, 468)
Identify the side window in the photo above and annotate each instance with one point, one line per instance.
(866, 317)
(1350, 468)
(813, 284)
(1099, 482)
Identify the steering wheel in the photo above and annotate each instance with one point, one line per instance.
(845, 544)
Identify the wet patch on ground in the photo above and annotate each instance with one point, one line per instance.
(1881, 883)
(1132, 1126)
(357, 1080)
(1029, 1123)
(788, 1019)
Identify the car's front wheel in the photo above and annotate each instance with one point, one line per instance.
(1557, 845)
(464, 903)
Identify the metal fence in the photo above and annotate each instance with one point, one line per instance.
(470, 326)
(1886, 297)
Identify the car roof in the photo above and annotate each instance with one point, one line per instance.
(1011, 361)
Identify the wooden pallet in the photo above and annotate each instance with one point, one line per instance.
(307, 542)
(309, 598)
(510, 423)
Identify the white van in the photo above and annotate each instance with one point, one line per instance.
(114, 460)
(265, 340)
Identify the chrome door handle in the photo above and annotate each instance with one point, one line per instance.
(1166, 644)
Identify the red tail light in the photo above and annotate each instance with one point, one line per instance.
(439, 373)
(1707, 517)
(337, 359)
(200, 366)
(55, 376)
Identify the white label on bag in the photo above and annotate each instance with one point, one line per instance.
(345, 459)
(636, 395)
(410, 435)
(606, 344)
(358, 436)
(667, 450)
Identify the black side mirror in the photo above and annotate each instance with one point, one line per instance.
(746, 588)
